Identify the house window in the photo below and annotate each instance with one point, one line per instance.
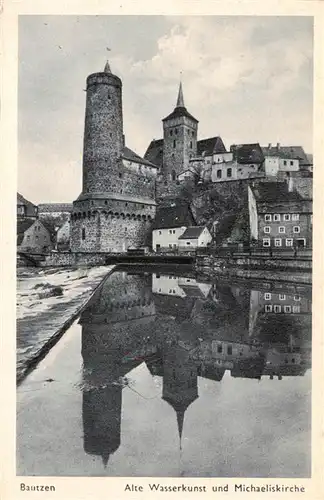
(276, 217)
(192, 133)
(289, 242)
(229, 172)
(190, 144)
(267, 218)
(282, 229)
(277, 309)
(174, 143)
(297, 298)
(267, 229)
(282, 297)
(219, 174)
(287, 309)
(285, 162)
(160, 232)
(176, 131)
(266, 242)
(295, 216)
(219, 348)
(188, 243)
(83, 235)
(267, 296)
(36, 237)
(296, 309)
(286, 217)
(171, 132)
(291, 162)
(277, 242)
(268, 308)
(229, 350)
(296, 229)
(170, 231)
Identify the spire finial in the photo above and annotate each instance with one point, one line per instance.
(180, 101)
(107, 67)
(180, 419)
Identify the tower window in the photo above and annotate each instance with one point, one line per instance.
(83, 235)
(171, 132)
(120, 175)
(174, 143)
(219, 174)
(173, 175)
(190, 144)
(188, 132)
(176, 131)
(192, 133)
(229, 172)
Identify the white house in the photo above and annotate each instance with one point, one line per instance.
(194, 237)
(170, 224)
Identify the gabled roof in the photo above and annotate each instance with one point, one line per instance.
(54, 207)
(31, 209)
(289, 152)
(22, 226)
(154, 152)
(176, 216)
(128, 154)
(192, 233)
(210, 146)
(247, 153)
(274, 192)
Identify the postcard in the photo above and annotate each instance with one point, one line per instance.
(160, 251)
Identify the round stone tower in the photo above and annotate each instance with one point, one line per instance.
(103, 131)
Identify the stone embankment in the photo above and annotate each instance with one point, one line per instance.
(48, 301)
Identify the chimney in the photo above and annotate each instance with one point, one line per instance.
(278, 146)
(269, 145)
(290, 184)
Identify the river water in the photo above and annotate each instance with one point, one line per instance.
(166, 375)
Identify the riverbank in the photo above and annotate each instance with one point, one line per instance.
(48, 301)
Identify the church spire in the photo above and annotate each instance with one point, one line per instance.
(180, 101)
(107, 67)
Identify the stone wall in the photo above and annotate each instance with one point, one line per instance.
(103, 132)
(68, 259)
(179, 145)
(110, 232)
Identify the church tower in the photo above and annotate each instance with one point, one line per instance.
(117, 202)
(179, 139)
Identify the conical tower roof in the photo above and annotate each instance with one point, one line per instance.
(180, 109)
(180, 100)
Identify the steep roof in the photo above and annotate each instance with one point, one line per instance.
(128, 154)
(274, 192)
(55, 207)
(210, 145)
(154, 152)
(175, 216)
(289, 152)
(31, 209)
(192, 233)
(22, 226)
(178, 112)
(247, 153)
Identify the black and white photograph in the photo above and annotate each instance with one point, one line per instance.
(164, 243)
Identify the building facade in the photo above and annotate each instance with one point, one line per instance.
(117, 203)
(34, 236)
(280, 218)
(25, 209)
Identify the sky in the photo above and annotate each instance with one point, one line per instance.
(246, 78)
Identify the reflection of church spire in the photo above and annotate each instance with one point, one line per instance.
(180, 419)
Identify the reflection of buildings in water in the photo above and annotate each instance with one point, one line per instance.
(119, 332)
(179, 286)
(179, 381)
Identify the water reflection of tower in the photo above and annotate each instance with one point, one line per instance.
(112, 327)
(179, 381)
